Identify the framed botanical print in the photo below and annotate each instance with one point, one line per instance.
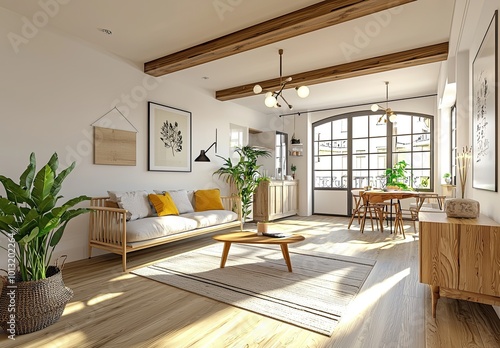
(169, 137)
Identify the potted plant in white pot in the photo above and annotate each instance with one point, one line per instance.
(447, 178)
(33, 293)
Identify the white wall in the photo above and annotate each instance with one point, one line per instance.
(55, 87)
(475, 26)
(470, 34)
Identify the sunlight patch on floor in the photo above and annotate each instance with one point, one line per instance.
(103, 297)
(368, 297)
(123, 277)
(68, 339)
(73, 308)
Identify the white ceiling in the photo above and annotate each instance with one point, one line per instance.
(149, 29)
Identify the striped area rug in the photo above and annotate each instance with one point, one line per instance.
(256, 278)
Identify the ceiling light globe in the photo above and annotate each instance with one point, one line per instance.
(393, 117)
(374, 107)
(303, 91)
(257, 89)
(268, 94)
(270, 101)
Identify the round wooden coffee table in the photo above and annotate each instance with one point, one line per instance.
(252, 238)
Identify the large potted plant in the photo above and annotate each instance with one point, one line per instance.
(244, 174)
(33, 293)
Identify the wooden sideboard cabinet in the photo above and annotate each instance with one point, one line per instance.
(460, 258)
(275, 199)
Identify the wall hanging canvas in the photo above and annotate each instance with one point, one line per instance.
(114, 147)
(113, 143)
(169, 139)
(484, 132)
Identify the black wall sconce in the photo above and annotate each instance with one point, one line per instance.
(203, 153)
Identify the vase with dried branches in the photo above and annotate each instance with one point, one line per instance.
(463, 163)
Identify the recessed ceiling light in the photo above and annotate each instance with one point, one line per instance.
(105, 31)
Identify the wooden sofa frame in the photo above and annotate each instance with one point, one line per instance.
(108, 228)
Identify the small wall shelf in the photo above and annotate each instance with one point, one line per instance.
(296, 150)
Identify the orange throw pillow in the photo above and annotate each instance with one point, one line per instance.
(207, 200)
(164, 204)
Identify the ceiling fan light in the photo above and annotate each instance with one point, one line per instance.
(257, 89)
(303, 91)
(375, 107)
(393, 117)
(268, 94)
(270, 101)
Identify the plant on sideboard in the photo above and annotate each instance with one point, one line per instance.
(447, 178)
(293, 168)
(244, 174)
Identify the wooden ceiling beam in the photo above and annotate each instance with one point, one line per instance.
(404, 59)
(321, 15)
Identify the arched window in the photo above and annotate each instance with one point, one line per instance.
(354, 150)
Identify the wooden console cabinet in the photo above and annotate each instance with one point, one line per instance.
(460, 258)
(275, 199)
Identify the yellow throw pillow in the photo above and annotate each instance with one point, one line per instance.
(207, 200)
(164, 204)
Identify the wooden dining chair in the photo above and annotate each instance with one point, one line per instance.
(374, 210)
(356, 202)
(392, 210)
(359, 211)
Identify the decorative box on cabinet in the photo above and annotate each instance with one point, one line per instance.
(460, 258)
(275, 199)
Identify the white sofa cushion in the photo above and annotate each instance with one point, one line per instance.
(135, 202)
(183, 199)
(211, 217)
(160, 226)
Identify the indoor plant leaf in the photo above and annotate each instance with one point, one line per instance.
(44, 180)
(60, 178)
(15, 193)
(27, 177)
(56, 237)
(29, 237)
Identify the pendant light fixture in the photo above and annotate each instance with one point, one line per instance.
(388, 113)
(271, 99)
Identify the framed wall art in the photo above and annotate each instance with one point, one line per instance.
(169, 137)
(485, 108)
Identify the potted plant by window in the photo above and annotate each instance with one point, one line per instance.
(33, 293)
(447, 178)
(244, 174)
(395, 177)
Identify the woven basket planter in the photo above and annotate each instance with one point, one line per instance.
(38, 304)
